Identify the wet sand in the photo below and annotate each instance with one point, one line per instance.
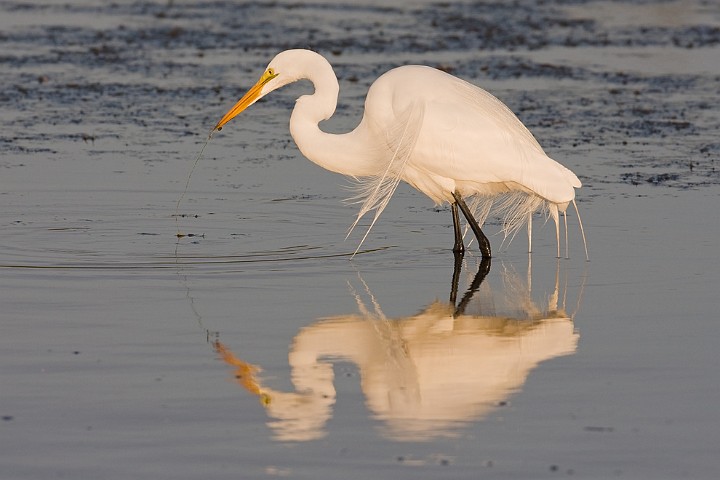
(254, 348)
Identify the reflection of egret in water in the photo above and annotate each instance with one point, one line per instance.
(422, 376)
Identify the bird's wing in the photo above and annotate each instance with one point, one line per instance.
(510, 152)
(375, 191)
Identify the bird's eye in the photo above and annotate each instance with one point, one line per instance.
(271, 71)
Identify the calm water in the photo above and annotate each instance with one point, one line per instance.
(254, 347)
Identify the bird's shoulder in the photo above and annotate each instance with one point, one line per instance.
(417, 80)
(442, 102)
(435, 90)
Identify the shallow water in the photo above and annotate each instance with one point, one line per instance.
(254, 348)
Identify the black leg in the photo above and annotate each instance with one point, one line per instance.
(483, 242)
(458, 247)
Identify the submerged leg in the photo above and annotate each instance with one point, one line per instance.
(459, 247)
(483, 242)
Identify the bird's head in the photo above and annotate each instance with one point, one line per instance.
(283, 69)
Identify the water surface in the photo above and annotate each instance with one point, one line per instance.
(254, 347)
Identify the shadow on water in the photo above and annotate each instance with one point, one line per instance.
(422, 376)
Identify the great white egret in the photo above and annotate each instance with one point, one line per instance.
(444, 136)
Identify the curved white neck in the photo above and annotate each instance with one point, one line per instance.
(347, 153)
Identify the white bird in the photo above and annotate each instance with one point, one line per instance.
(444, 136)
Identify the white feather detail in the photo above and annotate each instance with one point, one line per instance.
(515, 208)
(375, 191)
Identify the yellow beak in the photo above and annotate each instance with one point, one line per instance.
(248, 99)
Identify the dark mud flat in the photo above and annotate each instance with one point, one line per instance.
(253, 348)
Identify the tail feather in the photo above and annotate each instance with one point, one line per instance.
(582, 230)
(517, 209)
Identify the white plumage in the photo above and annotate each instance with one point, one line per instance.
(444, 136)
